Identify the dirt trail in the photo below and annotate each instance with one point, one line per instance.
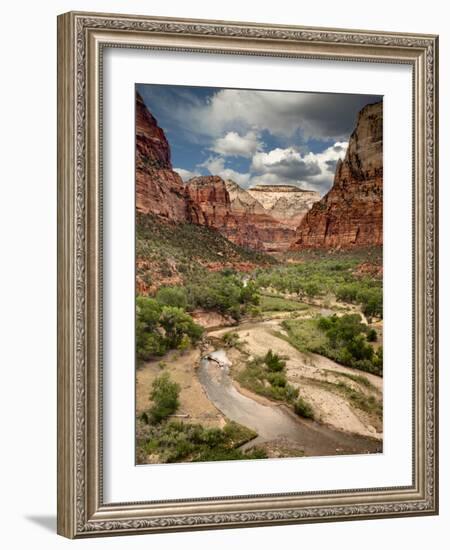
(311, 373)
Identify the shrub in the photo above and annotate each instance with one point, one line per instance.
(302, 408)
(274, 362)
(342, 339)
(372, 335)
(312, 289)
(324, 323)
(174, 296)
(343, 330)
(149, 344)
(164, 395)
(359, 348)
(175, 441)
(290, 393)
(249, 294)
(277, 379)
(185, 343)
(259, 378)
(231, 339)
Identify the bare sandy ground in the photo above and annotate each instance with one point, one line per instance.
(193, 400)
(306, 371)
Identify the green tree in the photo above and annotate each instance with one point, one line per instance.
(177, 323)
(149, 341)
(174, 296)
(164, 395)
(249, 294)
(359, 348)
(149, 344)
(147, 312)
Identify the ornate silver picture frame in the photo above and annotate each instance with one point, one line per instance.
(82, 40)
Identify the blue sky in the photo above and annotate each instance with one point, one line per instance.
(255, 136)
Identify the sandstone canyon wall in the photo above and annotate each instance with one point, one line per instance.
(159, 189)
(207, 200)
(285, 203)
(226, 207)
(351, 213)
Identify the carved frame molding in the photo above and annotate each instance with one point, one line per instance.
(81, 39)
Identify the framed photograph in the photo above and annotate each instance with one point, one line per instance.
(247, 284)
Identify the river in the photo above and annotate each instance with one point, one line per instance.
(273, 422)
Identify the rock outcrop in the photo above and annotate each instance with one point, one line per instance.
(159, 189)
(226, 207)
(351, 213)
(286, 203)
(209, 200)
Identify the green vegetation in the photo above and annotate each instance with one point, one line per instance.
(362, 380)
(319, 276)
(224, 292)
(231, 340)
(160, 328)
(342, 339)
(166, 250)
(302, 408)
(366, 403)
(164, 395)
(276, 303)
(174, 296)
(176, 441)
(266, 376)
(358, 292)
(274, 362)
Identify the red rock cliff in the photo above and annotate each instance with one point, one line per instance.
(204, 200)
(233, 212)
(351, 213)
(159, 190)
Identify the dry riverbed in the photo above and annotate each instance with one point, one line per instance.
(194, 403)
(321, 382)
(210, 396)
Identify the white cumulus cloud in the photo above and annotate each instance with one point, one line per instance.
(287, 163)
(313, 171)
(216, 167)
(233, 144)
(283, 114)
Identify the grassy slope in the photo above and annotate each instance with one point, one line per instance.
(165, 251)
(277, 303)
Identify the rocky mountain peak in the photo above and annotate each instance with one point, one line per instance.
(286, 203)
(159, 190)
(351, 213)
